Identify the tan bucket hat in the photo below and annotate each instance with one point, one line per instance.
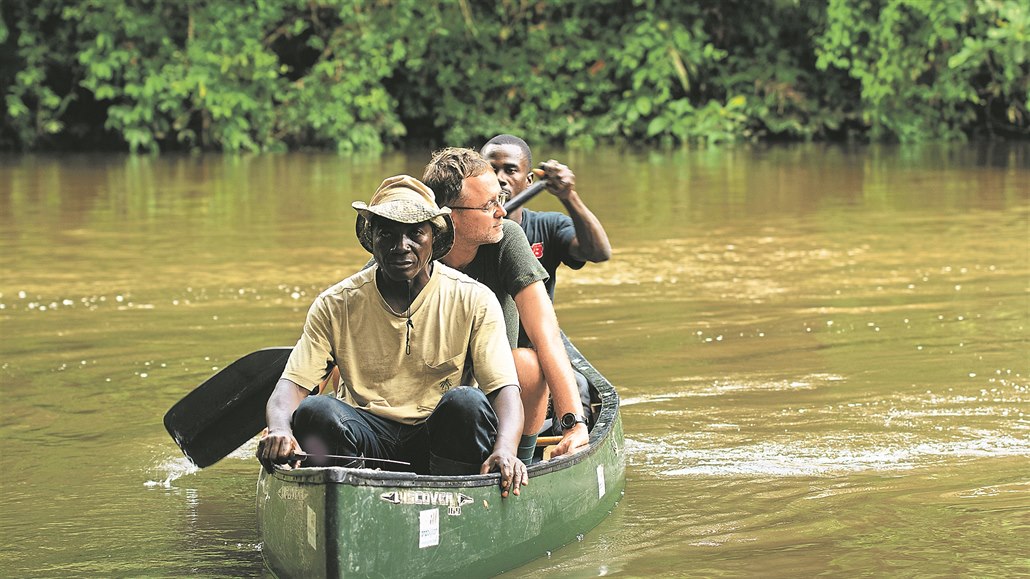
(405, 199)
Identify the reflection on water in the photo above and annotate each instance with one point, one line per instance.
(822, 352)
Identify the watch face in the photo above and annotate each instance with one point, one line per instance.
(568, 420)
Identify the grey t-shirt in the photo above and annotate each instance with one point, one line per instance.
(507, 267)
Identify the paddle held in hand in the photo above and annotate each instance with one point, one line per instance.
(228, 409)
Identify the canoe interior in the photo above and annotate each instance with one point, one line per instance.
(334, 521)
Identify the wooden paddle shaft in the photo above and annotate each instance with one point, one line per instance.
(530, 192)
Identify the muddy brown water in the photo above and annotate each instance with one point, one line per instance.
(823, 353)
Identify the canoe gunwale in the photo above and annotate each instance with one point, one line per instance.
(602, 428)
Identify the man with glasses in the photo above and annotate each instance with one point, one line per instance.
(494, 251)
(554, 237)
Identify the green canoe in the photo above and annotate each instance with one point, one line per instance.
(337, 522)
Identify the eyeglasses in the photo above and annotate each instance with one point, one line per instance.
(490, 207)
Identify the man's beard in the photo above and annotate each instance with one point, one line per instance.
(492, 235)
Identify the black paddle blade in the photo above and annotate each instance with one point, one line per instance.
(228, 409)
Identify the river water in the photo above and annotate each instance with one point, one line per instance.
(823, 353)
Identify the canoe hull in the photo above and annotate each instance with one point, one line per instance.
(337, 522)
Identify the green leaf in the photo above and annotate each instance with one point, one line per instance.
(643, 105)
(657, 125)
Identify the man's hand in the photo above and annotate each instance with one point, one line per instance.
(276, 447)
(513, 471)
(561, 181)
(572, 440)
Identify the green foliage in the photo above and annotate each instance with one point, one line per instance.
(770, 63)
(196, 74)
(565, 71)
(663, 57)
(997, 53)
(359, 76)
(930, 69)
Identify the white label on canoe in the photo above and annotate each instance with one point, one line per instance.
(600, 480)
(428, 528)
(312, 532)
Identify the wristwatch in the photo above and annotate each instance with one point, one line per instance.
(569, 420)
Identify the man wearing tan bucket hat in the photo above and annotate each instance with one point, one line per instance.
(405, 334)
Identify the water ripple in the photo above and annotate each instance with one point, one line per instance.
(826, 457)
(172, 470)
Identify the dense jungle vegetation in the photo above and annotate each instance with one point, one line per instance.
(353, 76)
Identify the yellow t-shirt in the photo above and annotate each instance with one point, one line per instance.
(455, 322)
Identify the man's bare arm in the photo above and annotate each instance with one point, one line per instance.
(278, 444)
(591, 241)
(537, 316)
(508, 406)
